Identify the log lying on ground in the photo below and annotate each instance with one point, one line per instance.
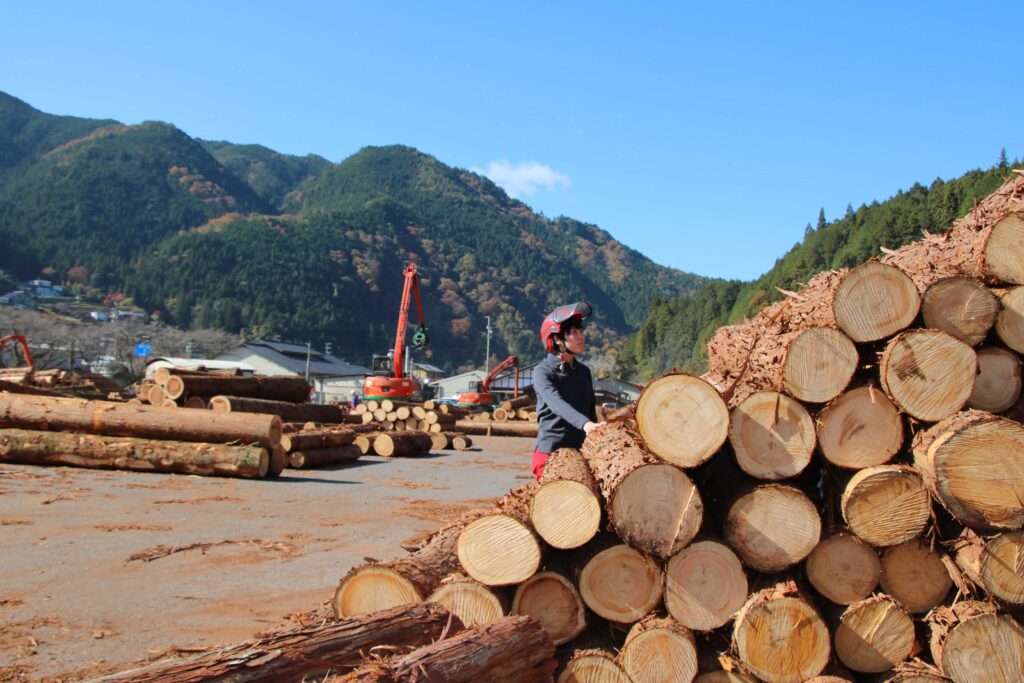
(553, 601)
(126, 453)
(780, 637)
(754, 531)
(886, 505)
(974, 464)
(705, 585)
(472, 602)
(500, 548)
(653, 506)
(297, 653)
(972, 643)
(289, 412)
(318, 438)
(874, 635)
(928, 374)
(323, 457)
(456, 440)
(861, 428)
(915, 575)
(772, 436)
(271, 388)
(402, 444)
(476, 428)
(121, 419)
(593, 665)
(843, 568)
(620, 584)
(566, 509)
(682, 419)
(19, 388)
(510, 650)
(1010, 323)
(962, 307)
(659, 650)
(998, 384)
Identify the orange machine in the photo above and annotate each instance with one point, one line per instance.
(388, 379)
(20, 338)
(482, 396)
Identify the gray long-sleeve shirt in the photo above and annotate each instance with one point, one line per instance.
(565, 402)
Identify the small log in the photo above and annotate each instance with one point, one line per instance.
(196, 402)
(861, 428)
(323, 457)
(500, 548)
(973, 462)
(510, 650)
(126, 453)
(620, 584)
(365, 440)
(271, 388)
(780, 637)
(155, 395)
(518, 402)
(593, 665)
(996, 563)
(874, 635)
(553, 601)
(772, 436)
(319, 438)
(653, 506)
(928, 374)
(843, 568)
(886, 505)
(915, 575)
(402, 444)
(705, 585)
(302, 652)
(290, 412)
(122, 419)
(962, 307)
(752, 527)
(682, 419)
(472, 602)
(973, 643)
(566, 508)
(1010, 323)
(659, 650)
(997, 386)
(500, 414)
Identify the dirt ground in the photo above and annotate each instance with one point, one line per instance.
(102, 569)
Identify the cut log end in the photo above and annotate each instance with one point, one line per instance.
(1002, 567)
(655, 653)
(620, 584)
(682, 419)
(373, 588)
(593, 666)
(472, 603)
(1004, 252)
(886, 505)
(928, 373)
(874, 635)
(1010, 323)
(705, 585)
(781, 638)
(861, 428)
(498, 550)
(962, 307)
(657, 509)
(755, 533)
(553, 601)
(819, 364)
(844, 569)
(874, 301)
(989, 647)
(566, 514)
(998, 384)
(915, 575)
(772, 435)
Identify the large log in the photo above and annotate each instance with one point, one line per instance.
(772, 436)
(843, 568)
(972, 643)
(1010, 323)
(705, 585)
(874, 301)
(928, 374)
(886, 505)
(518, 402)
(619, 583)
(271, 388)
(152, 422)
(682, 419)
(402, 444)
(861, 428)
(753, 530)
(566, 508)
(500, 548)
(659, 650)
(997, 386)
(780, 637)
(19, 388)
(874, 635)
(553, 601)
(974, 464)
(317, 438)
(295, 654)
(653, 506)
(962, 307)
(126, 453)
(289, 412)
(593, 665)
(510, 650)
(914, 574)
(322, 457)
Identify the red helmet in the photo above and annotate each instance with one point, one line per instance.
(552, 324)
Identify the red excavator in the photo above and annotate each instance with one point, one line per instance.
(20, 338)
(388, 379)
(482, 396)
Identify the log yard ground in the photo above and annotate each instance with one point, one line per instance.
(108, 568)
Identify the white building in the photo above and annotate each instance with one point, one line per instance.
(449, 387)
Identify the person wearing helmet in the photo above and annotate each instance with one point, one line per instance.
(566, 407)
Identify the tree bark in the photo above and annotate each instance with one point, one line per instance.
(299, 653)
(290, 412)
(126, 453)
(152, 422)
(322, 457)
(270, 388)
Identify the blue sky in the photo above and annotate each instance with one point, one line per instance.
(704, 137)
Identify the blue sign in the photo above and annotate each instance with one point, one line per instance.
(142, 350)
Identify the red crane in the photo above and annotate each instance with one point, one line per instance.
(388, 379)
(4, 341)
(483, 396)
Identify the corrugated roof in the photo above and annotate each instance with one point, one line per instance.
(293, 357)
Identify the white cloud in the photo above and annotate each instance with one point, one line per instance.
(524, 179)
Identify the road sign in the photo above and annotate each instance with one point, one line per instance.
(142, 350)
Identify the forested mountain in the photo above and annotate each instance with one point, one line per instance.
(677, 329)
(254, 242)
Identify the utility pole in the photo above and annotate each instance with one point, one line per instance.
(487, 358)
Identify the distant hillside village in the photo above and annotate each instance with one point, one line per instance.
(39, 294)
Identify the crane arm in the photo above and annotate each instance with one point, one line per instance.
(410, 289)
(20, 338)
(498, 369)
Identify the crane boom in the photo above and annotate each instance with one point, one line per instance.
(389, 379)
(412, 286)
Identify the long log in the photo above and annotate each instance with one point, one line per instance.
(402, 444)
(291, 655)
(477, 428)
(289, 412)
(319, 438)
(322, 457)
(152, 422)
(510, 650)
(126, 453)
(19, 388)
(270, 388)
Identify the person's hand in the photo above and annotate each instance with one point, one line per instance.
(591, 426)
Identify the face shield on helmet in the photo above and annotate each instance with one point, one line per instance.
(556, 320)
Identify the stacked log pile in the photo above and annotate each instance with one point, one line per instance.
(802, 512)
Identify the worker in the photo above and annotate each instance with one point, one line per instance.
(566, 406)
(354, 400)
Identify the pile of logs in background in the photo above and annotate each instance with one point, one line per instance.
(840, 497)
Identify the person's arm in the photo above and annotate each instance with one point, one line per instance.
(546, 389)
